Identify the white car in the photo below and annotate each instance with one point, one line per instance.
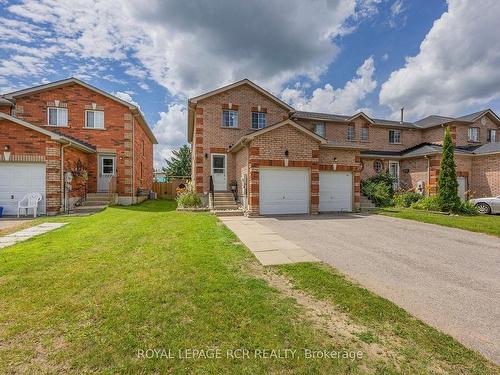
(489, 205)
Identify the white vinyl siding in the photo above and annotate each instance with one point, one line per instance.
(57, 116)
(319, 129)
(394, 136)
(230, 118)
(94, 119)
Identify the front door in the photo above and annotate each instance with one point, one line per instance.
(107, 170)
(394, 171)
(219, 172)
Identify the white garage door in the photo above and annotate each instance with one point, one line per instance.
(335, 191)
(18, 179)
(462, 187)
(284, 191)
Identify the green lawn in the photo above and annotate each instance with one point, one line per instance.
(93, 296)
(489, 224)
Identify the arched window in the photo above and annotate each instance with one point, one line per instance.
(378, 166)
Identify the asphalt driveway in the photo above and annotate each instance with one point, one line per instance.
(447, 277)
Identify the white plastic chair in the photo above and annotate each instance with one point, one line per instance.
(30, 200)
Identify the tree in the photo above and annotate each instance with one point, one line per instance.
(179, 164)
(447, 183)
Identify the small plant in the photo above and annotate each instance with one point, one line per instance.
(466, 208)
(428, 204)
(407, 199)
(379, 189)
(188, 198)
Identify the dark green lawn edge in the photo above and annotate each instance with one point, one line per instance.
(381, 315)
(488, 224)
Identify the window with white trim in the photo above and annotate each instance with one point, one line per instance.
(492, 135)
(394, 136)
(474, 134)
(94, 119)
(57, 116)
(365, 132)
(351, 133)
(229, 118)
(258, 120)
(320, 129)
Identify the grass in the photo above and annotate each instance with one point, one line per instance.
(489, 224)
(92, 296)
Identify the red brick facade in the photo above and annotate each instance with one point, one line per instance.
(243, 164)
(123, 137)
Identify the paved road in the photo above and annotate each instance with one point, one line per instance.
(447, 277)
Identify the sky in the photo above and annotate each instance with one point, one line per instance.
(334, 56)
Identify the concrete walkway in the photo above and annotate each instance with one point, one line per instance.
(267, 246)
(28, 233)
(6, 223)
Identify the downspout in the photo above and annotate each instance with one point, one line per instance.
(63, 185)
(133, 158)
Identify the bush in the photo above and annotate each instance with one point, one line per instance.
(407, 199)
(188, 198)
(428, 204)
(447, 182)
(379, 189)
(466, 208)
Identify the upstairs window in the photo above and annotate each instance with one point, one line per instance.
(351, 133)
(94, 119)
(365, 133)
(229, 118)
(492, 135)
(394, 136)
(474, 134)
(258, 120)
(57, 116)
(320, 129)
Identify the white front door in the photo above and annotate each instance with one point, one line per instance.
(107, 170)
(394, 171)
(335, 191)
(19, 179)
(462, 187)
(219, 171)
(284, 191)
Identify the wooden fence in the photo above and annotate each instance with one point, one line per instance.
(166, 190)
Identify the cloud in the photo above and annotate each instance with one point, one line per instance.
(397, 17)
(344, 100)
(170, 130)
(456, 67)
(126, 96)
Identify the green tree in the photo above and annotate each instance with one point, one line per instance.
(179, 164)
(447, 183)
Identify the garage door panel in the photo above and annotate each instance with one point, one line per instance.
(335, 191)
(18, 179)
(284, 191)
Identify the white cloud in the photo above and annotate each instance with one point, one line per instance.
(170, 130)
(397, 17)
(457, 66)
(344, 100)
(126, 96)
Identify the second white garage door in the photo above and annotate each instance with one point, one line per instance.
(284, 191)
(335, 191)
(18, 179)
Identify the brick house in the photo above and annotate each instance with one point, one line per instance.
(287, 161)
(71, 126)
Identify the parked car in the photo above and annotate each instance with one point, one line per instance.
(490, 205)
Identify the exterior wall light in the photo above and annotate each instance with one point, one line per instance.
(334, 164)
(286, 158)
(6, 153)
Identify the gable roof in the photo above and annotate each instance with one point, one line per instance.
(193, 101)
(251, 136)
(344, 118)
(53, 135)
(72, 80)
(360, 114)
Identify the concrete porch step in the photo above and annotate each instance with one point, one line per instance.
(226, 206)
(224, 200)
(89, 209)
(236, 212)
(95, 202)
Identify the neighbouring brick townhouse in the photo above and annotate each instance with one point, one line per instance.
(68, 140)
(283, 161)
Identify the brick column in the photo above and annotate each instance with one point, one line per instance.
(357, 183)
(314, 182)
(434, 176)
(253, 182)
(198, 150)
(127, 185)
(53, 177)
